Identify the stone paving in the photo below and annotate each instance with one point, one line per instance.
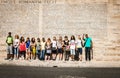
(93, 63)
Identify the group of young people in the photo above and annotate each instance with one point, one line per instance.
(49, 49)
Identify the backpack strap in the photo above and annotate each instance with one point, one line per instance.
(85, 42)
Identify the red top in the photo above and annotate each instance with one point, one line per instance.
(22, 46)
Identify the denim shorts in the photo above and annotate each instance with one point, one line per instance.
(80, 50)
(72, 51)
(60, 50)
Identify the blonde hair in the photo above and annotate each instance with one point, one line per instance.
(17, 36)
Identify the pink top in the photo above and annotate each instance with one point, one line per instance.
(22, 46)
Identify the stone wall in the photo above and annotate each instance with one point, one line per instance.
(48, 18)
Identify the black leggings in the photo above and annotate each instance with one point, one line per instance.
(22, 53)
(67, 54)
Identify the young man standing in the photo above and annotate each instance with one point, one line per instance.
(9, 42)
(88, 46)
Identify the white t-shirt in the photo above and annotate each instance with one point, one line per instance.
(78, 43)
(16, 43)
(59, 44)
(54, 44)
(42, 45)
(72, 44)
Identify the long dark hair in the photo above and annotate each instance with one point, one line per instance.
(48, 40)
(72, 37)
(33, 40)
(22, 39)
(28, 39)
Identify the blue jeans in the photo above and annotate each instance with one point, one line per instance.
(16, 51)
(38, 53)
(42, 54)
(72, 51)
(87, 53)
(80, 50)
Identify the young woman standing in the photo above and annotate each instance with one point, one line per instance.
(54, 48)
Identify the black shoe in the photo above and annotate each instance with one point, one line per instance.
(6, 58)
(11, 59)
(53, 59)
